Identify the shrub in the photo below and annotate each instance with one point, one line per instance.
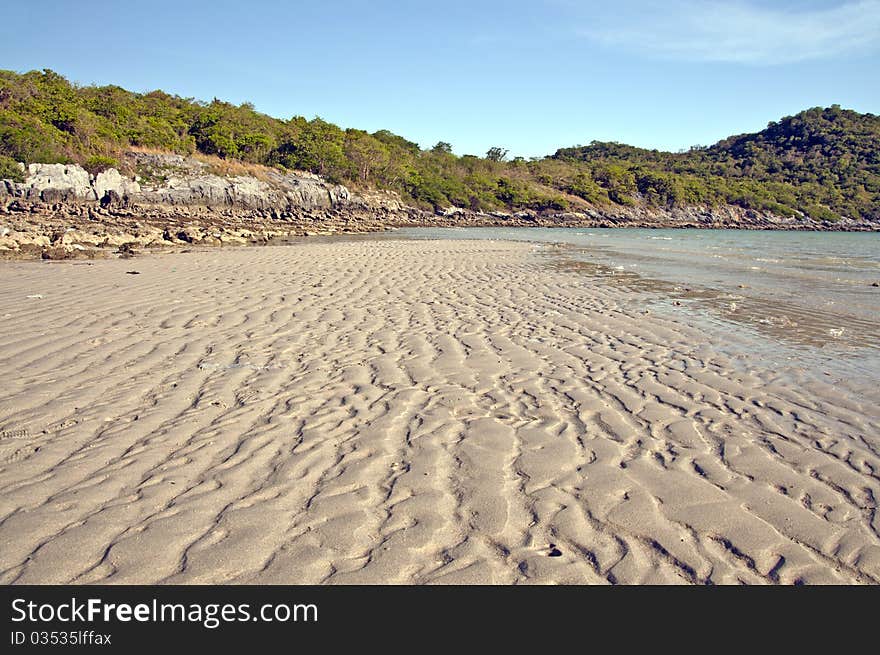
(10, 170)
(98, 163)
(820, 213)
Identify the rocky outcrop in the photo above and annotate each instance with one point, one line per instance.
(55, 183)
(170, 201)
(61, 211)
(73, 230)
(111, 186)
(708, 217)
(174, 180)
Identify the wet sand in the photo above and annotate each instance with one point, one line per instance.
(408, 412)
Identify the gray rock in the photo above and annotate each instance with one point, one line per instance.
(58, 183)
(176, 180)
(339, 195)
(112, 180)
(187, 181)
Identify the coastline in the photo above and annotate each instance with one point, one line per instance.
(61, 211)
(37, 230)
(408, 412)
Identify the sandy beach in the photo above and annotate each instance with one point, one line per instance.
(407, 412)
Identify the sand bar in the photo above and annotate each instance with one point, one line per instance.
(407, 412)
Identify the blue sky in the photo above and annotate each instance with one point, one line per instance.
(530, 76)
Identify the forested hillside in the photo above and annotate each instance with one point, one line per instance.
(823, 163)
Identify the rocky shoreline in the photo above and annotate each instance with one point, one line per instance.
(61, 211)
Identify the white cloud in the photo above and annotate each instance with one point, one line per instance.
(742, 33)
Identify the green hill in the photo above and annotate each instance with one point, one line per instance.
(824, 163)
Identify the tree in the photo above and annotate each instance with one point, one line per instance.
(365, 152)
(442, 147)
(496, 154)
(393, 140)
(315, 146)
(254, 146)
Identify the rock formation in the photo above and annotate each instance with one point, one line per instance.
(176, 180)
(62, 211)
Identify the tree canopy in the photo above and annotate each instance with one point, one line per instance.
(823, 163)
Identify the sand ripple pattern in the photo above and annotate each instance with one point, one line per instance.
(406, 412)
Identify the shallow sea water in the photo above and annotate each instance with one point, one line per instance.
(799, 299)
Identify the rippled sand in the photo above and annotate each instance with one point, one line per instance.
(407, 412)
